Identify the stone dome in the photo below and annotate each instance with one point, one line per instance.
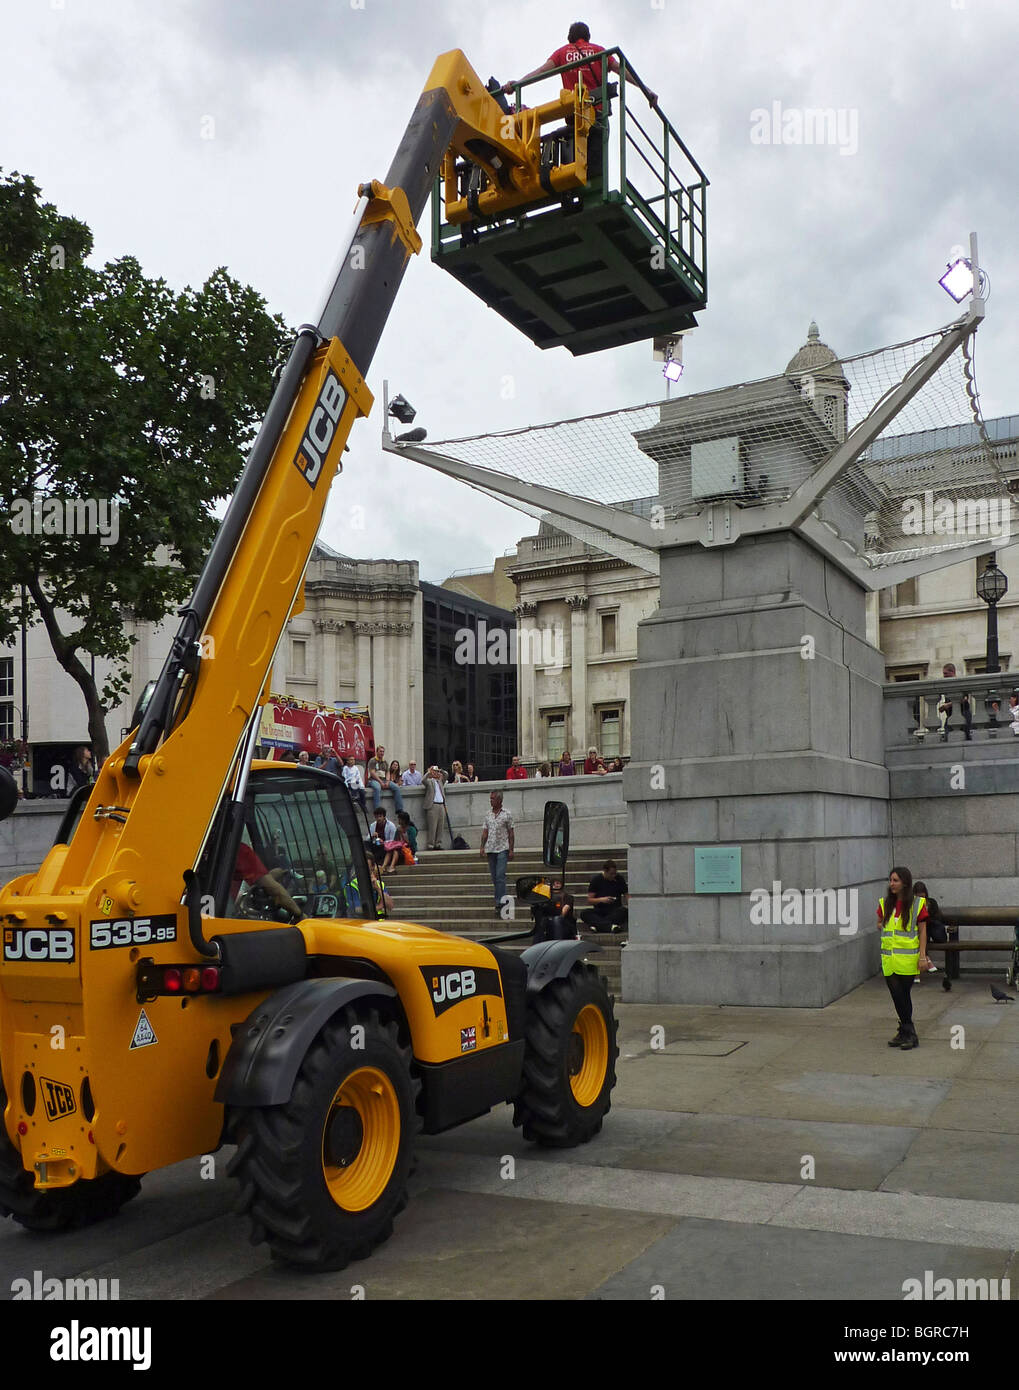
(813, 356)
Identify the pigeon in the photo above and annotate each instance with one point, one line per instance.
(1000, 997)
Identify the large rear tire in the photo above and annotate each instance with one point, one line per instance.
(569, 1062)
(323, 1176)
(62, 1208)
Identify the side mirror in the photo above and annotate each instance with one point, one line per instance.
(8, 794)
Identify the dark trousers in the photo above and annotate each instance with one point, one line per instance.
(605, 918)
(900, 987)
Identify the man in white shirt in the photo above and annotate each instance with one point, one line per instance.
(412, 778)
(355, 782)
(497, 842)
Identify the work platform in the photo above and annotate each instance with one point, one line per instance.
(619, 260)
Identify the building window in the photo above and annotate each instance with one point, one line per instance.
(555, 736)
(611, 725)
(978, 665)
(6, 678)
(299, 658)
(906, 673)
(905, 594)
(6, 722)
(608, 632)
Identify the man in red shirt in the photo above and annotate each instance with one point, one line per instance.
(577, 46)
(253, 872)
(516, 770)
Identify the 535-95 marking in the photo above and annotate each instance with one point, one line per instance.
(132, 931)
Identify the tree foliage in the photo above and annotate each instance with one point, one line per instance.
(114, 388)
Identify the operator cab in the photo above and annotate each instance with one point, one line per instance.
(298, 840)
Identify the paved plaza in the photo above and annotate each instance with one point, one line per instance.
(693, 1190)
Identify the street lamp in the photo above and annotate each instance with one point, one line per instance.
(992, 586)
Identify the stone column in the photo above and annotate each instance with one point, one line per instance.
(363, 664)
(757, 723)
(526, 713)
(579, 715)
(328, 682)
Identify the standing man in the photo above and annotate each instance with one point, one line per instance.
(435, 807)
(607, 896)
(578, 45)
(497, 843)
(516, 771)
(355, 782)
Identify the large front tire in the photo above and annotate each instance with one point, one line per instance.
(61, 1208)
(324, 1175)
(570, 1061)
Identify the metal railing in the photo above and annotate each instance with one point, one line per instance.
(638, 169)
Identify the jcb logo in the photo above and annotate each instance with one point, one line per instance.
(448, 985)
(58, 1099)
(319, 435)
(452, 987)
(38, 943)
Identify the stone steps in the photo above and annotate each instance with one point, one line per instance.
(451, 890)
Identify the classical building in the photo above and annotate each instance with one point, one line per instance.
(577, 614)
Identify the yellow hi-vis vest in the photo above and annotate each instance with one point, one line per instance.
(900, 942)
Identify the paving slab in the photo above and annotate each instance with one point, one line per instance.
(838, 1096)
(469, 1246)
(978, 1165)
(979, 1104)
(761, 1150)
(624, 1133)
(661, 1082)
(723, 1260)
(994, 1061)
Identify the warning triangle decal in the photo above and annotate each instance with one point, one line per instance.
(143, 1034)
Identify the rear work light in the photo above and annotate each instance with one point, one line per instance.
(153, 980)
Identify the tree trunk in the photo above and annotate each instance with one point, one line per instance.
(65, 650)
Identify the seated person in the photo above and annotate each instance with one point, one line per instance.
(554, 919)
(607, 894)
(406, 824)
(250, 870)
(382, 830)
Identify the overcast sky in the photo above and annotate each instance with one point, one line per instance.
(106, 103)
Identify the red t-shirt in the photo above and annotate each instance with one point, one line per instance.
(570, 53)
(248, 867)
(514, 774)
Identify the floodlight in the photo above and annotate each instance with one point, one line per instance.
(958, 279)
(672, 370)
(402, 409)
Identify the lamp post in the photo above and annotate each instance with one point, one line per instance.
(992, 586)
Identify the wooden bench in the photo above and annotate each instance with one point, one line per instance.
(954, 918)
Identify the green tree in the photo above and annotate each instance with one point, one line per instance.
(113, 389)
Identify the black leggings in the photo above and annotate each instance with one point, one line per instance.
(900, 986)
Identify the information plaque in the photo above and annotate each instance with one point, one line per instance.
(718, 870)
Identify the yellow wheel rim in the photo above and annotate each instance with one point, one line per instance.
(589, 1055)
(361, 1139)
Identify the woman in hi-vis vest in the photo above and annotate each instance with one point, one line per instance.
(902, 918)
